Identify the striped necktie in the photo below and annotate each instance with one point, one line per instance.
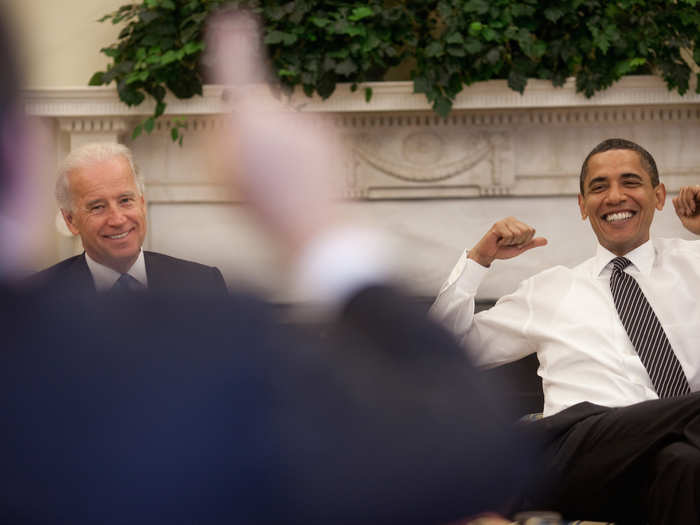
(127, 284)
(646, 333)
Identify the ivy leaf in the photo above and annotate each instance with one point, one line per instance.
(110, 52)
(96, 79)
(627, 66)
(473, 46)
(137, 131)
(360, 12)
(517, 81)
(168, 57)
(455, 38)
(131, 97)
(346, 67)
(137, 76)
(489, 34)
(173, 134)
(192, 47)
(420, 85)
(442, 106)
(522, 10)
(148, 16)
(434, 49)
(277, 37)
(493, 56)
(456, 51)
(319, 22)
(475, 28)
(476, 6)
(160, 109)
(355, 30)
(553, 13)
(149, 124)
(368, 94)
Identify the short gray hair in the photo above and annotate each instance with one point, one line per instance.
(84, 156)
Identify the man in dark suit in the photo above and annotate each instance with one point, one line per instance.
(187, 408)
(100, 195)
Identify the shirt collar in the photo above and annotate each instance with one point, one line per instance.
(642, 258)
(105, 277)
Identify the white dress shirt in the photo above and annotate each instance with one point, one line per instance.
(567, 316)
(105, 277)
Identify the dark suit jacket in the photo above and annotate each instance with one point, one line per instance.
(184, 409)
(164, 274)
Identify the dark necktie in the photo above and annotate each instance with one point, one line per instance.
(127, 284)
(646, 333)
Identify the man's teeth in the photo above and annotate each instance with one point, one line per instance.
(118, 236)
(619, 216)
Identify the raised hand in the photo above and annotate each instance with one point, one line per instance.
(506, 239)
(687, 205)
(283, 163)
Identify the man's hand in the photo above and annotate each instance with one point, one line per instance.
(282, 162)
(507, 238)
(687, 205)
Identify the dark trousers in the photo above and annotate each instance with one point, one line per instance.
(636, 464)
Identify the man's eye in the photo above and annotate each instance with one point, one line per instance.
(97, 208)
(597, 188)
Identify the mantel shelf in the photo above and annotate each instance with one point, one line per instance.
(387, 97)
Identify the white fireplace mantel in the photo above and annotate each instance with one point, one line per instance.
(495, 142)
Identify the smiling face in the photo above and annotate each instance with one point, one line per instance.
(108, 212)
(619, 199)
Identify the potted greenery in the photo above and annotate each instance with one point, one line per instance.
(446, 44)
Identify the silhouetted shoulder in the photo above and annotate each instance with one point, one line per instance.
(69, 275)
(170, 273)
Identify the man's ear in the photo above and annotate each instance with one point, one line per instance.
(660, 192)
(584, 215)
(68, 217)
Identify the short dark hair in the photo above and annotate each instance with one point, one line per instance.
(648, 162)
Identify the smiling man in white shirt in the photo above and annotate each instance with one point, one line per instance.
(614, 443)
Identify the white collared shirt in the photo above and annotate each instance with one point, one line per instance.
(105, 277)
(567, 316)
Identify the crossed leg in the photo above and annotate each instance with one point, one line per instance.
(633, 464)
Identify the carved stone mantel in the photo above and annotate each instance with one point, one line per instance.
(436, 183)
(495, 142)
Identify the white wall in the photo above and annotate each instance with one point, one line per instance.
(59, 40)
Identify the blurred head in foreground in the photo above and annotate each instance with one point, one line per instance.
(15, 184)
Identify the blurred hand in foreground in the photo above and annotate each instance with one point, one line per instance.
(282, 162)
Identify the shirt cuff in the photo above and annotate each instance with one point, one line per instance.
(467, 274)
(338, 264)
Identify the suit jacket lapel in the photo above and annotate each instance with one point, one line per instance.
(154, 276)
(79, 275)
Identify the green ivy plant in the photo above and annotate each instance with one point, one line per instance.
(450, 44)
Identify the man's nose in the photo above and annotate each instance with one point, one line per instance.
(615, 194)
(116, 216)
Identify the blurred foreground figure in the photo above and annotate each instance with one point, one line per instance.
(187, 409)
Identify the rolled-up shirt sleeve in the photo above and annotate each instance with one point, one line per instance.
(492, 337)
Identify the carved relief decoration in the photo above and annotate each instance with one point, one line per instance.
(409, 162)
